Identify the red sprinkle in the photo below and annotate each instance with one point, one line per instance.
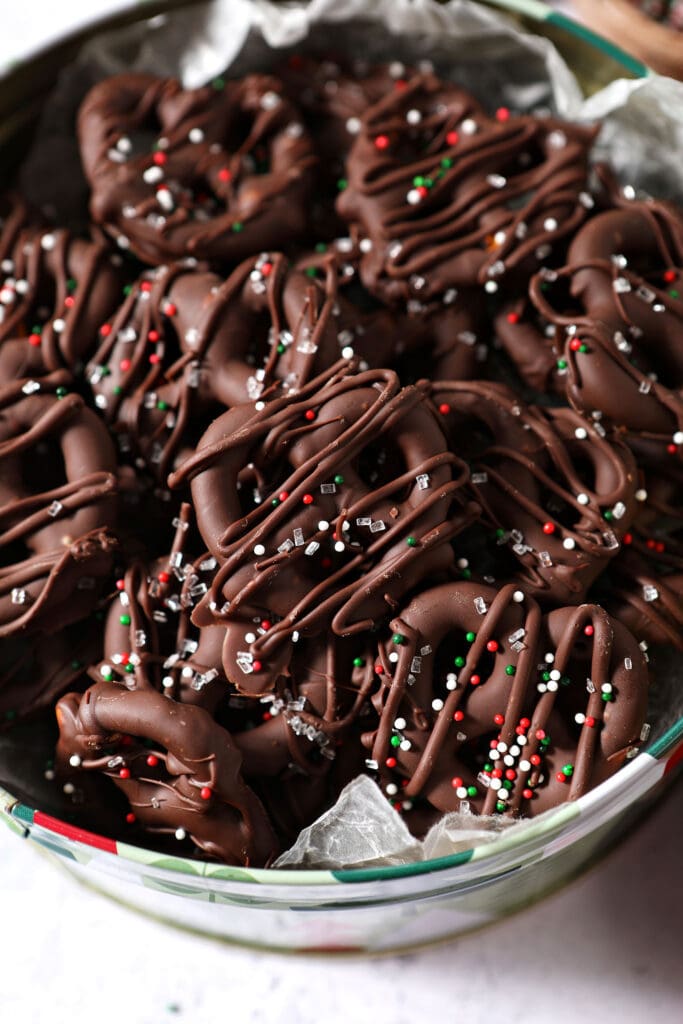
(69, 301)
(458, 716)
(124, 364)
(540, 734)
(390, 762)
(381, 141)
(589, 630)
(309, 415)
(130, 817)
(672, 449)
(159, 158)
(527, 794)
(153, 336)
(146, 286)
(502, 114)
(475, 680)
(379, 670)
(535, 759)
(660, 546)
(499, 719)
(170, 309)
(669, 276)
(561, 777)
(124, 773)
(266, 268)
(120, 584)
(307, 499)
(266, 623)
(549, 528)
(444, 409)
(456, 783)
(575, 344)
(163, 577)
(492, 646)
(452, 138)
(152, 760)
(34, 339)
(224, 174)
(524, 722)
(154, 359)
(206, 792)
(257, 666)
(497, 773)
(627, 538)
(512, 318)
(590, 722)
(105, 329)
(283, 495)
(511, 774)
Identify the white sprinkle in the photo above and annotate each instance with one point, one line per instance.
(555, 674)
(496, 180)
(392, 789)
(167, 682)
(650, 593)
(678, 437)
(579, 718)
(491, 287)
(353, 125)
(413, 116)
(400, 723)
(153, 174)
(249, 638)
(437, 704)
(583, 499)
(339, 546)
(413, 197)
(75, 761)
(259, 550)
(606, 688)
(69, 788)
(468, 126)
(569, 543)
(518, 596)
(195, 135)
(180, 833)
(270, 100)
(550, 224)
(48, 242)
(405, 745)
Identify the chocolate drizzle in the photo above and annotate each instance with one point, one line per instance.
(500, 703)
(215, 173)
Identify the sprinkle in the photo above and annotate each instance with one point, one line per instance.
(381, 142)
(259, 550)
(411, 542)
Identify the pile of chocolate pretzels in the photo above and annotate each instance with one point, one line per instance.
(349, 441)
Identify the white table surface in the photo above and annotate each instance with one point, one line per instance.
(607, 949)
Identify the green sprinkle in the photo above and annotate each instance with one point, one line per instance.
(488, 767)
(507, 784)
(130, 668)
(545, 742)
(459, 661)
(395, 741)
(510, 670)
(127, 289)
(36, 330)
(280, 349)
(673, 293)
(218, 83)
(107, 676)
(500, 806)
(470, 637)
(124, 620)
(545, 677)
(466, 574)
(117, 389)
(471, 790)
(61, 392)
(162, 406)
(562, 364)
(568, 770)
(411, 542)
(500, 533)
(359, 662)
(608, 515)
(311, 271)
(237, 226)
(418, 180)
(446, 162)
(275, 501)
(75, 664)
(565, 680)
(321, 247)
(607, 697)
(71, 284)
(339, 479)
(342, 184)
(398, 638)
(429, 182)
(583, 348)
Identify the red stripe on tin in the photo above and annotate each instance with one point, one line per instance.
(70, 832)
(675, 759)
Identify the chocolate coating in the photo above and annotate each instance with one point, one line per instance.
(354, 486)
(212, 173)
(450, 197)
(555, 487)
(455, 718)
(187, 776)
(55, 291)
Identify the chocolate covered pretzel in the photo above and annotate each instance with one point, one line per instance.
(217, 172)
